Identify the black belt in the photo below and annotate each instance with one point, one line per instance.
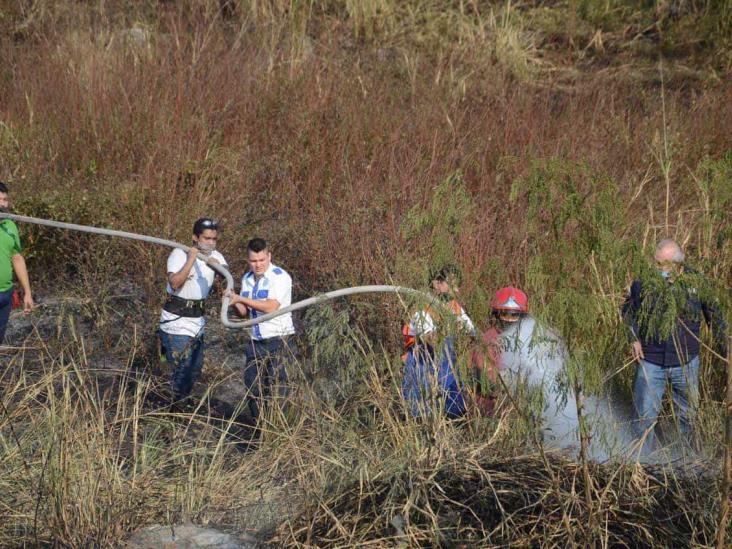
(283, 338)
(187, 308)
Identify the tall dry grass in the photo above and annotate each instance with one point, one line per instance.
(368, 141)
(89, 454)
(149, 137)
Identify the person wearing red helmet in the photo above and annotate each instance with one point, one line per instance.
(528, 355)
(508, 306)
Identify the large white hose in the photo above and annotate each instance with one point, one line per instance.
(223, 271)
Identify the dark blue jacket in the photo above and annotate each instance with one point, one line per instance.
(682, 344)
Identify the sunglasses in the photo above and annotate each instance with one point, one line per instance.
(209, 224)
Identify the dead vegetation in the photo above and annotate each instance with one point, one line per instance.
(547, 145)
(473, 499)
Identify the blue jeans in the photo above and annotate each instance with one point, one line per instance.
(650, 386)
(185, 355)
(427, 375)
(6, 303)
(265, 372)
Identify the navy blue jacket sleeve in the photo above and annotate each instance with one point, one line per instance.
(631, 306)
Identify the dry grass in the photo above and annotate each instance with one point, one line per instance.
(368, 141)
(89, 454)
(471, 499)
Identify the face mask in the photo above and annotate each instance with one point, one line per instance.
(206, 248)
(664, 274)
(4, 209)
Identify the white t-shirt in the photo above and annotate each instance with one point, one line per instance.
(274, 284)
(422, 323)
(197, 286)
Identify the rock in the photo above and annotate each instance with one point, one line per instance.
(138, 36)
(186, 536)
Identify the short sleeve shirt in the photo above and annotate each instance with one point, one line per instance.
(275, 283)
(9, 246)
(197, 286)
(423, 323)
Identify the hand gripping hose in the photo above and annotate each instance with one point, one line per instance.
(223, 271)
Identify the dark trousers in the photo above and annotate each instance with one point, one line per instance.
(265, 372)
(6, 304)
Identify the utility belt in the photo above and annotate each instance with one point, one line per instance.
(186, 308)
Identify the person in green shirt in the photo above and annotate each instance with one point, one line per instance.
(11, 260)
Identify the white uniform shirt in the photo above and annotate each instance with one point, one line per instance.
(274, 284)
(422, 323)
(197, 286)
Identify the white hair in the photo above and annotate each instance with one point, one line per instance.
(666, 243)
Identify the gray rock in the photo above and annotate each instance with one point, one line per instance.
(138, 36)
(187, 536)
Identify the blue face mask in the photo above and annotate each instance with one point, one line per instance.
(664, 274)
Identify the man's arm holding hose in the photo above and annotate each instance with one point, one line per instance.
(243, 304)
(234, 301)
(179, 278)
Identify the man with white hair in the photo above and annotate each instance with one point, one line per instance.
(664, 313)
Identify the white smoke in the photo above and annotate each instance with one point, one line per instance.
(533, 357)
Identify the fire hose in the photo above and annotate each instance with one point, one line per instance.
(224, 272)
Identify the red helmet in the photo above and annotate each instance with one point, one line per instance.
(510, 299)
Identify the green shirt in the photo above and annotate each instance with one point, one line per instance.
(9, 246)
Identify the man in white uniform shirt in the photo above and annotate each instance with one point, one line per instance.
(264, 289)
(182, 319)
